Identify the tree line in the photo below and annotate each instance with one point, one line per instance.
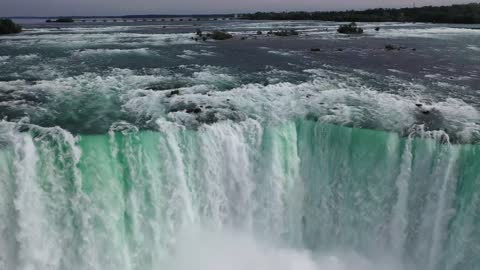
(467, 13)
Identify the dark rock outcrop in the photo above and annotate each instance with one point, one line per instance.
(7, 26)
(351, 28)
(173, 93)
(219, 35)
(285, 33)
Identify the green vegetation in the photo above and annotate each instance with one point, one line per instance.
(468, 13)
(61, 20)
(7, 26)
(351, 28)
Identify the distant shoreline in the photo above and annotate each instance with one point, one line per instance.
(454, 14)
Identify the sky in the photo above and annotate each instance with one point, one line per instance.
(10, 8)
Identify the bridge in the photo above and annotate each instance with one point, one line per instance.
(140, 19)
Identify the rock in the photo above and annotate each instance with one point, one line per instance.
(198, 32)
(220, 35)
(173, 93)
(349, 29)
(259, 33)
(377, 29)
(285, 33)
(315, 49)
(390, 47)
(195, 110)
(7, 26)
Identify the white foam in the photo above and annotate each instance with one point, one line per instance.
(111, 52)
(75, 40)
(437, 32)
(189, 54)
(473, 47)
(282, 53)
(27, 57)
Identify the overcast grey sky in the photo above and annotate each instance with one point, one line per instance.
(124, 7)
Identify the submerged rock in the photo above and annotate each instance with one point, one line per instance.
(194, 110)
(173, 93)
(390, 47)
(285, 33)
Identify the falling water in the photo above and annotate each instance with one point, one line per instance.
(235, 195)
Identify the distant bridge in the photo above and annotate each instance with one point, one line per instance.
(176, 19)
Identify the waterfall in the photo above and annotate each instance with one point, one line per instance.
(234, 195)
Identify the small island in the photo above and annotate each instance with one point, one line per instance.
(351, 28)
(7, 26)
(61, 20)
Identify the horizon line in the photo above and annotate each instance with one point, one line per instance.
(220, 14)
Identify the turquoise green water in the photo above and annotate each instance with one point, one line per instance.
(295, 195)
